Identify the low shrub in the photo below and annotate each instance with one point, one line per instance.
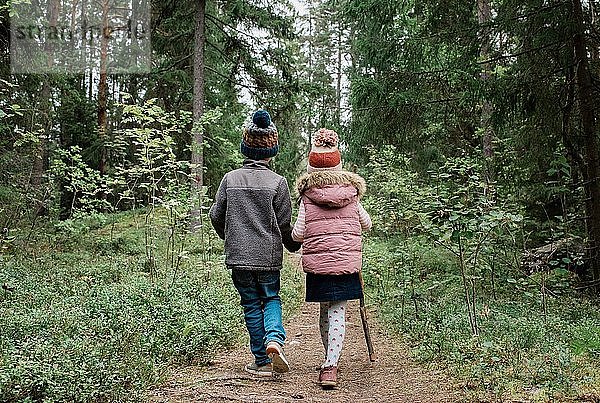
(531, 345)
(82, 321)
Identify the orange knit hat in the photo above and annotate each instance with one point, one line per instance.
(324, 153)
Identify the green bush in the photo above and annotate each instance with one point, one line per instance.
(81, 321)
(76, 331)
(444, 268)
(523, 350)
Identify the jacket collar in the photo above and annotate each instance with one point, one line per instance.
(256, 164)
(320, 179)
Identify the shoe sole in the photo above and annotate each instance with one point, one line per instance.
(280, 364)
(328, 384)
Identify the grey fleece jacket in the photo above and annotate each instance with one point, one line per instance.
(252, 212)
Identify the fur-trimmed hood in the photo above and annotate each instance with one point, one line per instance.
(328, 178)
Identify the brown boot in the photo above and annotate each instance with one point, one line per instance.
(328, 377)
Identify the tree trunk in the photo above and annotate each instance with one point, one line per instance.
(338, 84)
(40, 158)
(572, 154)
(585, 99)
(311, 39)
(595, 47)
(103, 88)
(198, 106)
(484, 16)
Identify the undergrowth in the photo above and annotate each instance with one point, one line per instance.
(84, 319)
(523, 352)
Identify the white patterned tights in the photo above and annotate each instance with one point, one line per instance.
(332, 323)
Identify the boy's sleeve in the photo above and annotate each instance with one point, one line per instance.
(218, 209)
(283, 211)
(298, 231)
(364, 218)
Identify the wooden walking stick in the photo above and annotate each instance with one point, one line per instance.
(365, 325)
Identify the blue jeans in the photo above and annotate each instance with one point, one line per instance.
(259, 292)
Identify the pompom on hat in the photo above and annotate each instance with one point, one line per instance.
(324, 153)
(260, 139)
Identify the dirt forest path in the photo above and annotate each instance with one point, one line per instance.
(394, 377)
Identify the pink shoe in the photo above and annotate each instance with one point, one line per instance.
(328, 377)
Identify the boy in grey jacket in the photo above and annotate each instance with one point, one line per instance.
(252, 212)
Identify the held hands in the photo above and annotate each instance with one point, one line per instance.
(293, 246)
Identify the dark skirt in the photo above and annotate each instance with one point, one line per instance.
(322, 287)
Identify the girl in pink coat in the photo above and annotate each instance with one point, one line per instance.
(329, 225)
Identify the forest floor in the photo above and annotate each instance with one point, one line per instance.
(393, 377)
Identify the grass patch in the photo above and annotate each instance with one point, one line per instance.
(522, 350)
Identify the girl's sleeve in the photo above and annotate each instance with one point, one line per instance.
(364, 218)
(283, 211)
(298, 231)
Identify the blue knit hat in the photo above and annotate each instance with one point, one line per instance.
(260, 139)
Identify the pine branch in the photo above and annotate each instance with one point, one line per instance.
(251, 88)
(496, 23)
(214, 20)
(524, 52)
(175, 63)
(429, 102)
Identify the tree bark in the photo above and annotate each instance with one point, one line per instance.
(198, 105)
(573, 156)
(484, 16)
(40, 158)
(595, 48)
(103, 87)
(585, 100)
(338, 83)
(311, 39)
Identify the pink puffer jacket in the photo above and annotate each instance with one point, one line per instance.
(332, 232)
